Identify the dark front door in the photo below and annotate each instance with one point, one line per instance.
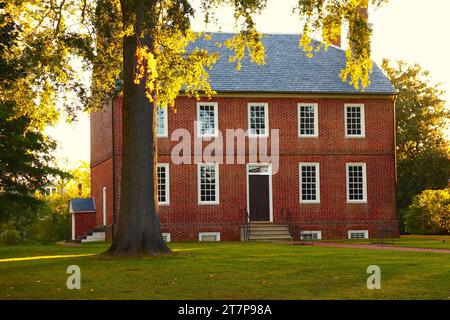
(258, 194)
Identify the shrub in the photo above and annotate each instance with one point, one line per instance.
(50, 226)
(429, 213)
(10, 237)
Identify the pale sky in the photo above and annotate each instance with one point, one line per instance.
(410, 30)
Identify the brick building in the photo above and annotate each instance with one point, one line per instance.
(334, 174)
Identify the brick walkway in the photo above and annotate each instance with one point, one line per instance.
(372, 246)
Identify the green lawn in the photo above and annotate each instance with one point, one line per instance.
(430, 242)
(225, 270)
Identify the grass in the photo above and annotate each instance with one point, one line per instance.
(225, 270)
(429, 242)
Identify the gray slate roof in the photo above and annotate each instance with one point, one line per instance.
(287, 69)
(82, 205)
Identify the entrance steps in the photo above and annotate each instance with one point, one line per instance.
(267, 231)
(95, 235)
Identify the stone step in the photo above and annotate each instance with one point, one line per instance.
(273, 228)
(267, 231)
(94, 237)
(271, 237)
(282, 229)
(264, 223)
(261, 222)
(89, 239)
(270, 233)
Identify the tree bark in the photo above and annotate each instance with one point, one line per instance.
(138, 226)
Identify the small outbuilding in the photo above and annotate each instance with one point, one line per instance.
(83, 216)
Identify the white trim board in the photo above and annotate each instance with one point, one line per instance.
(104, 205)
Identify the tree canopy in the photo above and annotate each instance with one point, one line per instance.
(423, 150)
(58, 36)
(429, 213)
(25, 160)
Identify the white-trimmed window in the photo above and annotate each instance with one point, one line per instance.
(207, 120)
(166, 236)
(310, 235)
(308, 120)
(258, 120)
(50, 190)
(354, 121)
(209, 236)
(358, 234)
(163, 184)
(356, 182)
(309, 173)
(208, 183)
(161, 122)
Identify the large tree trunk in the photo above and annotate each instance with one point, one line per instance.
(138, 226)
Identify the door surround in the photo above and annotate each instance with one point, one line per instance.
(267, 173)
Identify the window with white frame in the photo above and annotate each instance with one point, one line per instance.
(356, 182)
(209, 236)
(358, 234)
(309, 182)
(311, 235)
(161, 122)
(354, 120)
(308, 120)
(207, 119)
(208, 183)
(166, 237)
(50, 190)
(258, 119)
(163, 183)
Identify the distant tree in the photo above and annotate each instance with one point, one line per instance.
(24, 161)
(53, 219)
(24, 151)
(429, 213)
(423, 151)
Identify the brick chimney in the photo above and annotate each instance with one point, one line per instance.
(338, 40)
(364, 11)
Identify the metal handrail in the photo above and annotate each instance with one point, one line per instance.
(286, 218)
(245, 225)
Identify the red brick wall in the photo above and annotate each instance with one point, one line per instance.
(184, 218)
(117, 153)
(102, 161)
(101, 135)
(101, 176)
(84, 222)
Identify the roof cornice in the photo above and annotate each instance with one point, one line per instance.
(300, 95)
